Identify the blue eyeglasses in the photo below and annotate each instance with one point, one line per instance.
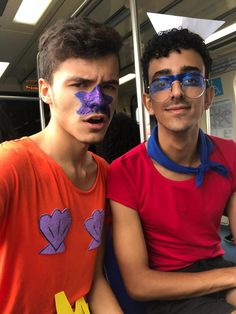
(193, 86)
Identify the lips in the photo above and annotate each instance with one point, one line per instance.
(96, 121)
(176, 108)
(98, 118)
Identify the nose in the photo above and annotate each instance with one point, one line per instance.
(176, 90)
(98, 96)
(99, 102)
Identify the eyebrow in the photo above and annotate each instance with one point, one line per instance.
(185, 68)
(90, 81)
(112, 82)
(160, 73)
(189, 68)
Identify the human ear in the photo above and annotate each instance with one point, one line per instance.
(209, 96)
(147, 101)
(45, 91)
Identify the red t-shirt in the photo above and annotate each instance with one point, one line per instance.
(180, 221)
(49, 230)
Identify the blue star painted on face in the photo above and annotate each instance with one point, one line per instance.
(94, 101)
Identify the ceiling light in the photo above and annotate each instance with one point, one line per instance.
(30, 11)
(223, 32)
(3, 66)
(126, 78)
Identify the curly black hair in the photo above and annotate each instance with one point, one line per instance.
(78, 37)
(161, 44)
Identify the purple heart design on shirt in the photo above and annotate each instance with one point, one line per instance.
(94, 226)
(55, 228)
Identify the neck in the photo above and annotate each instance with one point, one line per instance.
(180, 147)
(60, 146)
(69, 153)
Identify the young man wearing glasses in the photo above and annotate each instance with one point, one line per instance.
(169, 193)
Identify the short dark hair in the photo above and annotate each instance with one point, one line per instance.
(77, 37)
(161, 44)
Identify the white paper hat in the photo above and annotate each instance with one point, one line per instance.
(202, 27)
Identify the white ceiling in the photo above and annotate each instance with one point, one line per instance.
(18, 42)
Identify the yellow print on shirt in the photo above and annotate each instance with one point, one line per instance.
(63, 306)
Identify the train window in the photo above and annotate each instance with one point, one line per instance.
(22, 112)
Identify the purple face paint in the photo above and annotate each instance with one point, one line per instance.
(94, 101)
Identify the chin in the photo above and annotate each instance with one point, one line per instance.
(95, 139)
(179, 129)
(178, 126)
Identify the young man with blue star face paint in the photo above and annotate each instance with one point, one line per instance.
(168, 194)
(52, 189)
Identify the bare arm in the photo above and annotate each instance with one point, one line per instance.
(143, 283)
(101, 298)
(231, 212)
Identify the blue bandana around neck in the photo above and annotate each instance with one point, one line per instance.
(205, 148)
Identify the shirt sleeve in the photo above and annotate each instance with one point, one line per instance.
(230, 157)
(121, 184)
(234, 169)
(7, 181)
(226, 150)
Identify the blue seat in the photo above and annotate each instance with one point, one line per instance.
(230, 249)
